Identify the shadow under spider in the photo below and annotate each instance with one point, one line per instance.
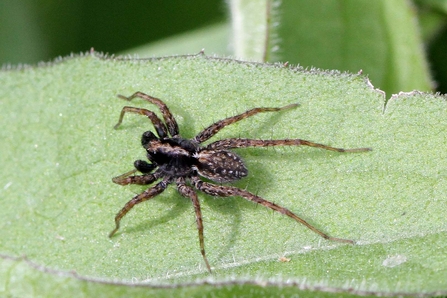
(181, 205)
(228, 208)
(175, 206)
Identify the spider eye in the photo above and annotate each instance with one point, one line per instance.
(147, 137)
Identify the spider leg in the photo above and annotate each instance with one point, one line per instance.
(188, 192)
(140, 166)
(169, 119)
(216, 127)
(144, 196)
(230, 191)
(159, 126)
(242, 143)
(126, 178)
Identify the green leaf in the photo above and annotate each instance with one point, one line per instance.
(380, 37)
(59, 152)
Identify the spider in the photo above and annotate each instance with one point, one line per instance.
(174, 159)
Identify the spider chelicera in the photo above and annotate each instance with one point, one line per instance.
(174, 159)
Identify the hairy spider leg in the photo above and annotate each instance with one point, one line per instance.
(145, 179)
(216, 127)
(242, 143)
(169, 119)
(159, 126)
(189, 192)
(144, 196)
(230, 191)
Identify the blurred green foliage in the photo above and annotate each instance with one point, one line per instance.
(400, 45)
(32, 31)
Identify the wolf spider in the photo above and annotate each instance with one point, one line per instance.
(174, 159)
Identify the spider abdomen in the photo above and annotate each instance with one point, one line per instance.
(220, 166)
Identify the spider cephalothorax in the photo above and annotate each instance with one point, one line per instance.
(178, 157)
(174, 159)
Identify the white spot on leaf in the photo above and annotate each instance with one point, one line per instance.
(393, 261)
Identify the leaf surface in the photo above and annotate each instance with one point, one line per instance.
(59, 152)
